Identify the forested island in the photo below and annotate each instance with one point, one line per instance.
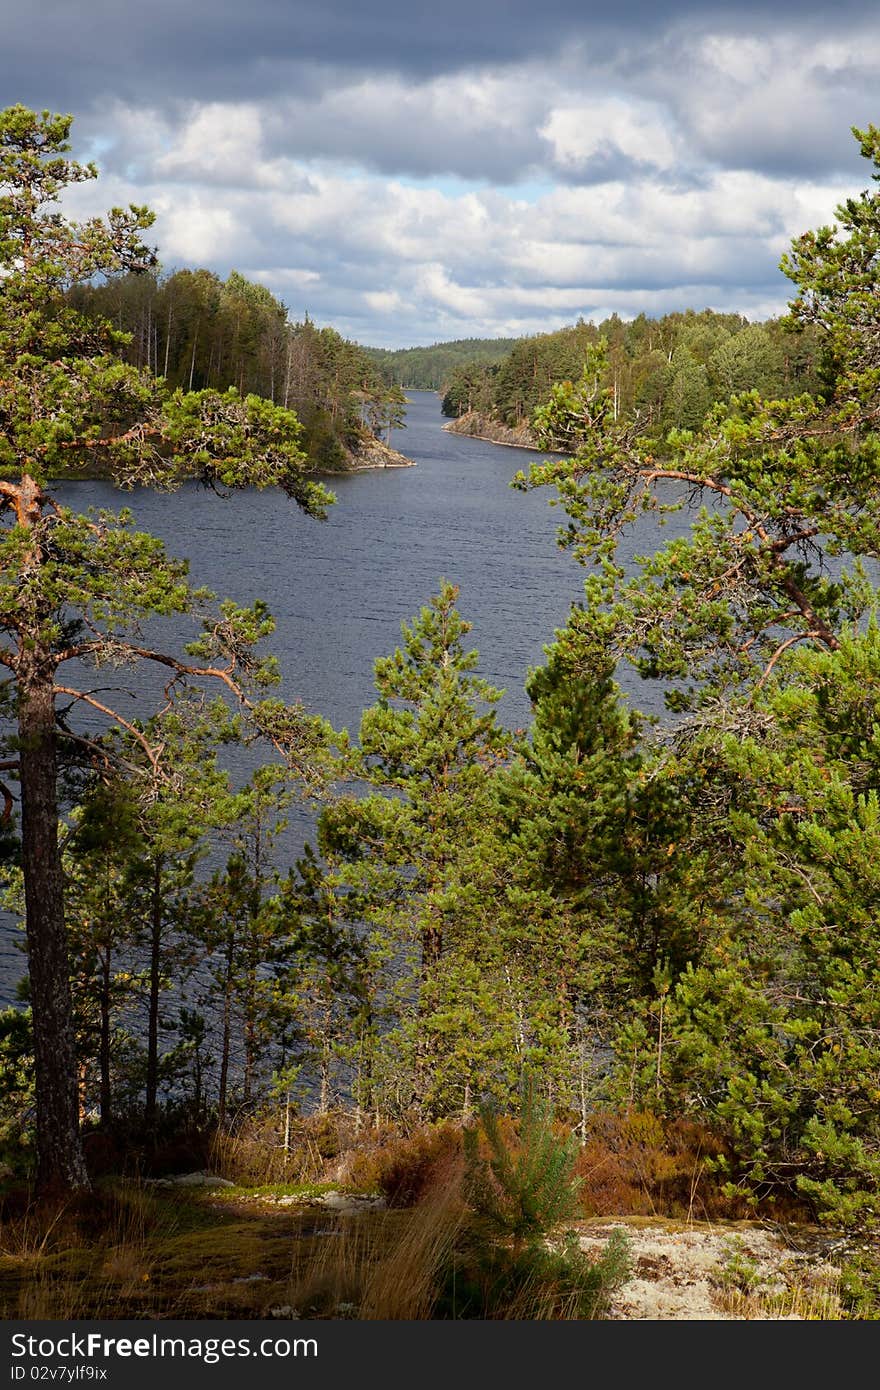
(604, 966)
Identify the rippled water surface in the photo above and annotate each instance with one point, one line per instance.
(339, 589)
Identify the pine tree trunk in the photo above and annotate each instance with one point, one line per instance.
(153, 1002)
(227, 1029)
(60, 1163)
(106, 1097)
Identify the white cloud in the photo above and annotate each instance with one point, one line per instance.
(610, 127)
(387, 261)
(670, 174)
(219, 142)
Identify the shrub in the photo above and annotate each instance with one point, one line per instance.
(638, 1164)
(535, 1281)
(410, 1168)
(518, 1191)
(522, 1191)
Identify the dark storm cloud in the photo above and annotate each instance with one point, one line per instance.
(409, 171)
(71, 54)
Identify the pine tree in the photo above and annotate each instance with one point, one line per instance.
(777, 1029)
(427, 751)
(76, 587)
(786, 483)
(767, 1019)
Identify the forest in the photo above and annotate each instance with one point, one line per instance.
(505, 949)
(668, 371)
(428, 368)
(199, 332)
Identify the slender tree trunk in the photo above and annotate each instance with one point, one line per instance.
(287, 374)
(167, 343)
(227, 1028)
(105, 1096)
(153, 1003)
(60, 1163)
(250, 1039)
(366, 1091)
(324, 1097)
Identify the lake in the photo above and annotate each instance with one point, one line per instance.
(339, 589)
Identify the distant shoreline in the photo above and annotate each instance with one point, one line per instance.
(485, 423)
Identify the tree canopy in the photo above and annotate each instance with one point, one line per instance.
(75, 589)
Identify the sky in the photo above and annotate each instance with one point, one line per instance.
(412, 172)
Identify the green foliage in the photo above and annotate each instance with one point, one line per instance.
(16, 1092)
(521, 1193)
(324, 979)
(860, 1286)
(785, 481)
(470, 387)
(233, 338)
(75, 588)
(776, 1031)
(430, 368)
(426, 753)
(667, 372)
(761, 1009)
(548, 1282)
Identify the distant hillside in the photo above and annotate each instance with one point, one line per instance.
(429, 368)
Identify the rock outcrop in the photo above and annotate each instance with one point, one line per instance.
(480, 426)
(373, 453)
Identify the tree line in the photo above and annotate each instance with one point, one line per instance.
(427, 368)
(677, 915)
(668, 371)
(199, 332)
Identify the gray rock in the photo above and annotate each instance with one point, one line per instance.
(350, 1202)
(200, 1179)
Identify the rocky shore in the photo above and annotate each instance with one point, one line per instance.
(372, 453)
(479, 426)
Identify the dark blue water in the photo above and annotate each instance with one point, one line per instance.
(339, 589)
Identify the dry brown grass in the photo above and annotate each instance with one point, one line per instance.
(636, 1165)
(410, 1168)
(406, 1282)
(135, 1252)
(337, 1146)
(389, 1267)
(401, 1160)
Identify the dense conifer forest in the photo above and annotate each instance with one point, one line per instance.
(668, 371)
(506, 955)
(199, 332)
(428, 368)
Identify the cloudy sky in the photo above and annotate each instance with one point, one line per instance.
(412, 171)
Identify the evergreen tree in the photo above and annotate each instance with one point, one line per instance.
(142, 830)
(72, 587)
(238, 930)
(324, 978)
(427, 751)
(766, 1019)
(777, 1030)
